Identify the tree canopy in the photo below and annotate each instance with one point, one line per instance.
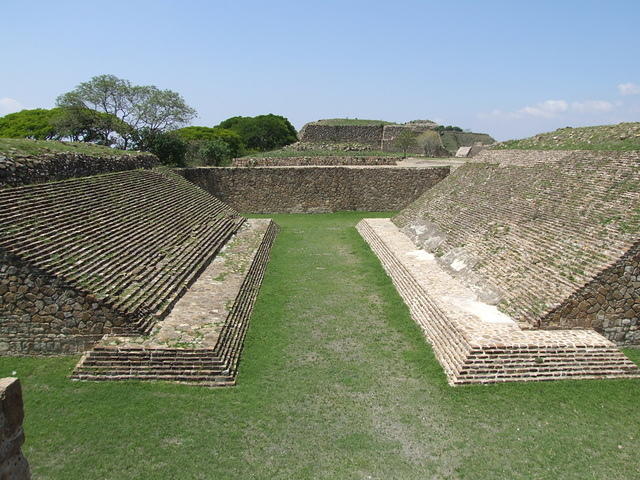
(263, 132)
(37, 124)
(140, 107)
(233, 140)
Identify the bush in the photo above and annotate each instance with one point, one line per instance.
(214, 152)
(168, 147)
(199, 134)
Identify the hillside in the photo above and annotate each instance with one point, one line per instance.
(623, 137)
(12, 147)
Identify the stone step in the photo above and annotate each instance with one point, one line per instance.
(465, 346)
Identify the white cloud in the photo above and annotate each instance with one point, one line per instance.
(553, 109)
(629, 89)
(546, 109)
(9, 105)
(592, 106)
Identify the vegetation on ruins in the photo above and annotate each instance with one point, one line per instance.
(336, 381)
(622, 136)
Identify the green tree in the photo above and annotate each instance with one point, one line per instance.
(86, 125)
(214, 152)
(170, 149)
(141, 107)
(36, 124)
(263, 132)
(198, 135)
(405, 141)
(431, 144)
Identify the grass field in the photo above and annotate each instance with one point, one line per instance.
(336, 382)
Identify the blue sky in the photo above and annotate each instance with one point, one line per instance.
(509, 68)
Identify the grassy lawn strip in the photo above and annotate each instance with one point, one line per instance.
(23, 146)
(336, 382)
(338, 122)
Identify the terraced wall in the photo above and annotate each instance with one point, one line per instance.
(364, 134)
(105, 254)
(315, 189)
(550, 237)
(312, 161)
(59, 166)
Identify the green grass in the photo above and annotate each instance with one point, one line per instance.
(336, 382)
(23, 146)
(621, 137)
(287, 153)
(335, 122)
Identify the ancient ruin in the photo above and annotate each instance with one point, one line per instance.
(13, 465)
(382, 136)
(112, 261)
(520, 263)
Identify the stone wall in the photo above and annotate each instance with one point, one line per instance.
(307, 161)
(13, 465)
(315, 189)
(40, 314)
(21, 170)
(609, 303)
(530, 230)
(365, 134)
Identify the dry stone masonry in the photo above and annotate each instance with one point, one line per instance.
(13, 465)
(474, 341)
(312, 161)
(315, 189)
(111, 254)
(22, 170)
(551, 238)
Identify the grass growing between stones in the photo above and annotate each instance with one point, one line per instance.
(336, 381)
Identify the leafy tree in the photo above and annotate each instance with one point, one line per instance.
(36, 124)
(405, 140)
(431, 144)
(263, 132)
(141, 107)
(86, 125)
(202, 134)
(167, 146)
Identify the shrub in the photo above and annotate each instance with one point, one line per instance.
(198, 134)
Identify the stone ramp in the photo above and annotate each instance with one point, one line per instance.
(134, 240)
(200, 341)
(476, 343)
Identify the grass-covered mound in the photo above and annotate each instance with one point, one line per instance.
(22, 147)
(336, 382)
(623, 136)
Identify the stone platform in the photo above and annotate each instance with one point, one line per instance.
(474, 341)
(201, 339)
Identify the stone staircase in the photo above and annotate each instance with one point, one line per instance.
(135, 240)
(474, 342)
(211, 356)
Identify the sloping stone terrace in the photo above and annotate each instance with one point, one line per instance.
(528, 235)
(473, 341)
(130, 241)
(201, 339)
